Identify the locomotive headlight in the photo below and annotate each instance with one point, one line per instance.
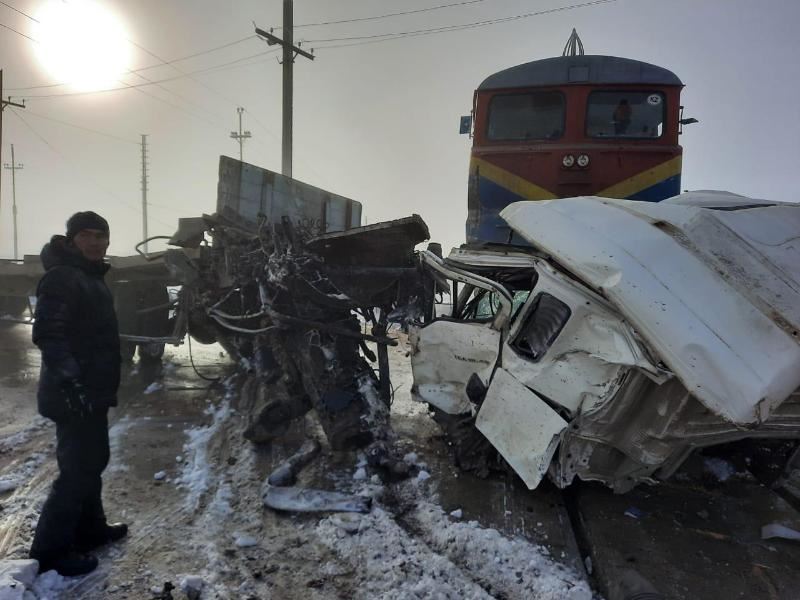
(568, 160)
(583, 160)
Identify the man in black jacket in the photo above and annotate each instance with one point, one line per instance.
(76, 329)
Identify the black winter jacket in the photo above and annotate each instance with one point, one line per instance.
(76, 329)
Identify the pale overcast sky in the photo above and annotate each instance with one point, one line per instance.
(375, 122)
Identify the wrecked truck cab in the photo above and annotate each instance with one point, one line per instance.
(645, 331)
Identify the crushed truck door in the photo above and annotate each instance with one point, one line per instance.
(446, 352)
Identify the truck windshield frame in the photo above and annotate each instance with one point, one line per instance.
(626, 114)
(524, 116)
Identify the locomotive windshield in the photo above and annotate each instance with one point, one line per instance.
(530, 116)
(623, 114)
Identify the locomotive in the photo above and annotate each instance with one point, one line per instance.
(573, 125)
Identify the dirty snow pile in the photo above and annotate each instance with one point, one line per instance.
(18, 581)
(426, 554)
(197, 472)
(23, 436)
(116, 435)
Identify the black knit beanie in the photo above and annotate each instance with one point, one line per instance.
(85, 220)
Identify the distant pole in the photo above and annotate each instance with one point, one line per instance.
(14, 166)
(289, 52)
(144, 189)
(3, 104)
(288, 87)
(240, 136)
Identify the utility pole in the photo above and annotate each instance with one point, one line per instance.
(241, 136)
(14, 166)
(3, 104)
(289, 52)
(144, 189)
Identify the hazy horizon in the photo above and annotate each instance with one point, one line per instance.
(376, 122)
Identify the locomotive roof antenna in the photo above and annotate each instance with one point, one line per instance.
(574, 46)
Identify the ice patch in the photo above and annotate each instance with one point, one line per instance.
(156, 386)
(719, 468)
(244, 541)
(49, 585)
(23, 436)
(196, 474)
(411, 458)
(360, 474)
(221, 504)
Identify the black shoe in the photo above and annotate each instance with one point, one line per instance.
(112, 532)
(70, 564)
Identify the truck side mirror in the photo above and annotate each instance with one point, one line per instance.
(466, 125)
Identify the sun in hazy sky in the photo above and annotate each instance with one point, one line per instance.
(81, 43)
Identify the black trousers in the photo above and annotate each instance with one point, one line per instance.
(74, 509)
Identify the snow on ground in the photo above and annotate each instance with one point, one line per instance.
(116, 437)
(23, 436)
(215, 529)
(426, 554)
(196, 475)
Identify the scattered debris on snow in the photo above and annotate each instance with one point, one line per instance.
(292, 499)
(445, 559)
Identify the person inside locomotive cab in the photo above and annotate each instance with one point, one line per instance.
(622, 117)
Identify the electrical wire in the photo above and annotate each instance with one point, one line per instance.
(64, 158)
(140, 85)
(25, 35)
(388, 15)
(15, 9)
(194, 368)
(164, 62)
(68, 124)
(150, 67)
(448, 28)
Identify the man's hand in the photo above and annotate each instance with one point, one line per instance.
(77, 399)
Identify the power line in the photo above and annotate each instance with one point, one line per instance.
(142, 48)
(388, 15)
(139, 85)
(90, 179)
(25, 35)
(14, 8)
(447, 28)
(151, 67)
(94, 131)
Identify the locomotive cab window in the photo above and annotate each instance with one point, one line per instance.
(531, 116)
(624, 114)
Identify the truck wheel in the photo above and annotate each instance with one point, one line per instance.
(152, 352)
